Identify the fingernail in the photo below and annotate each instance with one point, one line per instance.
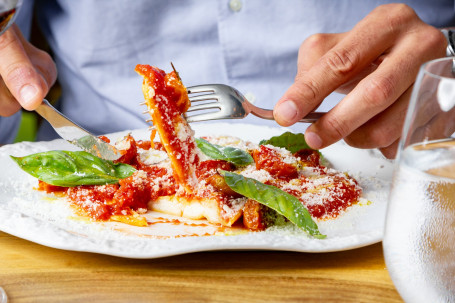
(313, 140)
(27, 94)
(287, 111)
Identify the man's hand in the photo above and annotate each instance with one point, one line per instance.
(375, 64)
(26, 73)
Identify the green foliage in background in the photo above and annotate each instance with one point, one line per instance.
(28, 127)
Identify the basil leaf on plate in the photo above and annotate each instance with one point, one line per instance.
(73, 168)
(231, 154)
(290, 141)
(282, 202)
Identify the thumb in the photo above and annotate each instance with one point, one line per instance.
(301, 98)
(20, 76)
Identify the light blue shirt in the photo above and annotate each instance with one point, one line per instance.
(249, 44)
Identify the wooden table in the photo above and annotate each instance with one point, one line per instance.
(33, 273)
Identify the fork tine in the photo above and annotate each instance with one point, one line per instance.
(200, 89)
(204, 106)
(204, 117)
(203, 97)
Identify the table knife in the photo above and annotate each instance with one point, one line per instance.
(75, 134)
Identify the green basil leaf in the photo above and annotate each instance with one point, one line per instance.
(231, 154)
(290, 141)
(73, 168)
(282, 202)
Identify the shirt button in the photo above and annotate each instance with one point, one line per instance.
(250, 97)
(235, 5)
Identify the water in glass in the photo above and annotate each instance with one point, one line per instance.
(419, 239)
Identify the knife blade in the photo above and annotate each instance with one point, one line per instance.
(75, 134)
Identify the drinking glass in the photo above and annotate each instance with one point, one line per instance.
(419, 237)
(8, 11)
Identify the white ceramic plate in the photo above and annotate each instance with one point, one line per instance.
(32, 215)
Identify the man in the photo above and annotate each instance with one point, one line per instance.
(370, 52)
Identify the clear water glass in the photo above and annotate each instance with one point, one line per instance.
(419, 238)
(3, 296)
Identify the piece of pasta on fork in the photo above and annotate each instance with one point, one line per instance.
(167, 99)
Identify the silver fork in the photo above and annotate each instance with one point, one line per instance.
(228, 103)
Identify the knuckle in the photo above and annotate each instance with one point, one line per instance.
(401, 10)
(370, 137)
(433, 38)
(306, 89)
(379, 137)
(42, 56)
(390, 152)
(6, 39)
(352, 141)
(314, 41)
(342, 61)
(378, 91)
(398, 16)
(17, 73)
(47, 67)
(340, 129)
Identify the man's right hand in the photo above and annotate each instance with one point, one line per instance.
(26, 73)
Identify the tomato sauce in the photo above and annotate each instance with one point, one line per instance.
(135, 192)
(271, 161)
(168, 103)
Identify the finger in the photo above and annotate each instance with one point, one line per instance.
(348, 86)
(376, 92)
(21, 78)
(8, 105)
(314, 47)
(370, 97)
(390, 152)
(384, 129)
(427, 103)
(45, 66)
(42, 61)
(333, 69)
(439, 127)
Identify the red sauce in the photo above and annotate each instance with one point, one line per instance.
(340, 195)
(48, 188)
(146, 145)
(271, 161)
(309, 156)
(253, 215)
(96, 201)
(170, 101)
(134, 193)
(129, 155)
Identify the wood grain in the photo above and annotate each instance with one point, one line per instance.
(33, 273)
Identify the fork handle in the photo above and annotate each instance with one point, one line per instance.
(268, 114)
(312, 117)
